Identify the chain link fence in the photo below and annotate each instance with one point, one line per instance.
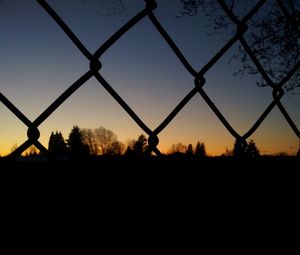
(276, 89)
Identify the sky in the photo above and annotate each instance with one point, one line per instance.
(38, 62)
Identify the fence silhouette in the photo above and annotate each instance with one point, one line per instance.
(277, 90)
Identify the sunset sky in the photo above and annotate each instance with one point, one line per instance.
(38, 62)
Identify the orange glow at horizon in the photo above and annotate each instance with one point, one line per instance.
(214, 146)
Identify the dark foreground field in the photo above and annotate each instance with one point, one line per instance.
(151, 205)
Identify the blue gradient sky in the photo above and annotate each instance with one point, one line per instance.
(38, 62)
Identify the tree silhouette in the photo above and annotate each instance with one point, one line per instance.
(57, 146)
(239, 148)
(130, 145)
(137, 147)
(90, 140)
(102, 141)
(140, 145)
(273, 32)
(190, 150)
(251, 150)
(200, 150)
(104, 138)
(76, 146)
(178, 148)
(116, 148)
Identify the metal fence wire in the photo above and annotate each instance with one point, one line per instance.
(277, 90)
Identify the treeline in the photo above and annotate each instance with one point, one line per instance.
(239, 149)
(83, 142)
(101, 141)
(98, 141)
(181, 149)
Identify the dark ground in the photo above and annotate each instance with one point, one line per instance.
(152, 205)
